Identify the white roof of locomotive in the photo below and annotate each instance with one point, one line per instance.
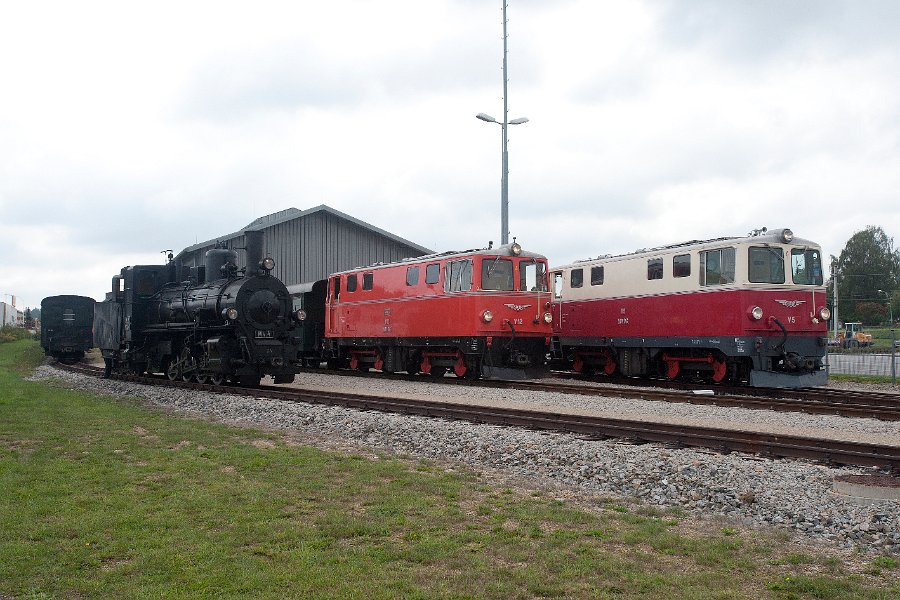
(769, 237)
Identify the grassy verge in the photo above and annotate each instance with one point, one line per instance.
(103, 498)
(860, 378)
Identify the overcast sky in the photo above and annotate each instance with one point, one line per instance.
(129, 128)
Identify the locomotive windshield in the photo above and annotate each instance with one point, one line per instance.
(497, 274)
(765, 265)
(806, 266)
(532, 276)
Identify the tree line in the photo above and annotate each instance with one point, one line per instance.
(867, 272)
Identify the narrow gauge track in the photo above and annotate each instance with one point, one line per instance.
(722, 440)
(843, 403)
(885, 407)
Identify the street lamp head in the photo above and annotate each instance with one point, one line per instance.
(519, 121)
(485, 117)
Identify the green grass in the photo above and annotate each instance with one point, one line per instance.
(103, 498)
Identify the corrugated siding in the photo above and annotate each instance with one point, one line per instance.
(309, 248)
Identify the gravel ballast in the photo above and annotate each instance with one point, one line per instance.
(750, 490)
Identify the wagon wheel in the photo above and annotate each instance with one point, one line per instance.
(217, 379)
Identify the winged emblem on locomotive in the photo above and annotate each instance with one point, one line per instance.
(791, 303)
(517, 307)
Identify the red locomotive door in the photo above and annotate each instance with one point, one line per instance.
(333, 324)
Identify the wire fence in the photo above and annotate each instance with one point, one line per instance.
(864, 362)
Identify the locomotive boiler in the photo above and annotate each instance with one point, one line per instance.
(222, 323)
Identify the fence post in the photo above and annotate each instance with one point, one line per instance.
(893, 358)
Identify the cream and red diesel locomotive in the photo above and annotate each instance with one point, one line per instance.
(744, 310)
(479, 313)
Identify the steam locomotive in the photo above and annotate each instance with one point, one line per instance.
(218, 323)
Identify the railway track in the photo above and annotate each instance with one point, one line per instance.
(723, 440)
(885, 407)
(843, 403)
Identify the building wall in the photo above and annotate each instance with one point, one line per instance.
(8, 314)
(312, 246)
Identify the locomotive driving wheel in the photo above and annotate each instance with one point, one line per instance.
(217, 378)
(173, 371)
(188, 365)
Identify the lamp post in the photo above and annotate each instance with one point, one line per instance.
(890, 308)
(504, 154)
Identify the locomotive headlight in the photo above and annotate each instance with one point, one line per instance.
(300, 315)
(230, 313)
(824, 313)
(516, 249)
(756, 313)
(487, 316)
(268, 263)
(548, 318)
(787, 235)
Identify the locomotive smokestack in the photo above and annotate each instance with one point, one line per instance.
(253, 240)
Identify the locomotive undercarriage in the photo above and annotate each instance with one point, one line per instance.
(754, 361)
(213, 355)
(470, 357)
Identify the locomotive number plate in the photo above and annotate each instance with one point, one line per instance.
(262, 334)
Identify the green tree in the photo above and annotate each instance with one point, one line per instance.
(868, 263)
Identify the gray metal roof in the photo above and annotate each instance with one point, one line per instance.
(295, 213)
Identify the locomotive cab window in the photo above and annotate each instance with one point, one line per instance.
(497, 274)
(412, 276)
(557, 284)
(597, 275)
(681, 265)
(655, 268)
(336, 289)
(576, 278)
(806, 266)
(433, 273)
(765, 264)
(146, 283)
(351, 283)
(717, 266)
(532, 276)
(458, 276)
(368, 280)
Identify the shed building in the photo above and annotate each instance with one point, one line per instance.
(308, 245)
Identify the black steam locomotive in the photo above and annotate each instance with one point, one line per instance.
(221, 323)
(66, 323)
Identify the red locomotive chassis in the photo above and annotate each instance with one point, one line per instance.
(480, 312)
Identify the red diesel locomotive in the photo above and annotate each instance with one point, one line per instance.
(745, 310)
(480, 313)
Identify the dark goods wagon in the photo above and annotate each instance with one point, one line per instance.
(66, 323)
(217, 323)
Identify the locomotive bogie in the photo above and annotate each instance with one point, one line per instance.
(745, 310)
